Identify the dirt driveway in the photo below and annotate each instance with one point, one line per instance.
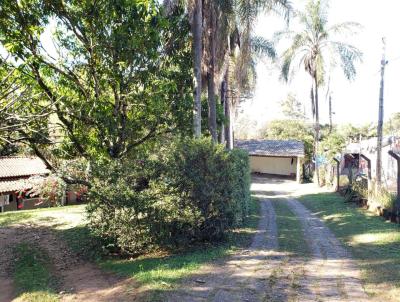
(263, 273)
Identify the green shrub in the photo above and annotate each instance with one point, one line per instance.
(191, 191)
(360, 187)
(212, 180)
(384, 198)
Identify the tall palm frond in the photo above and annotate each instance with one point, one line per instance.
(314, 46)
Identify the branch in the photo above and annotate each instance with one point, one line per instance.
(73, 181)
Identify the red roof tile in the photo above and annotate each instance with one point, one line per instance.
(21, 166)
(13, 185)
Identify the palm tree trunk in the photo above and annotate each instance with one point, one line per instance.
(312, 101)
(223, 102)
(330, 114)
(316, 126)
(228, 115)
(197, 29)
(212, 106)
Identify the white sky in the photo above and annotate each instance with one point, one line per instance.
(353, 102)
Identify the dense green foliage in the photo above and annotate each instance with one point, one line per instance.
(118, 75)
(192, 191)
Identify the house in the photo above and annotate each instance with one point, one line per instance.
(356, 156)
(276, 157)
(14, 174)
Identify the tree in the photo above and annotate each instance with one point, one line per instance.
(353, 133)
(24, 117)
(292, 108)
(392, 126)
(243, 53)
(118, 77)
(229, 51)
(315, 45)
(197, 31)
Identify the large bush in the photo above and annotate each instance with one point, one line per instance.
(213, 181)
(191, 191)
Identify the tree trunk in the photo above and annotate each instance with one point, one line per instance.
(312, 101)
(316, 127)
(197, 29)
(380, 128)
(330, 114)
(228, 124)
(223, 102)
(212, 106)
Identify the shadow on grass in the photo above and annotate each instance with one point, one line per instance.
(374, 243)
(168, 270)
(13, 217)
(32, 275)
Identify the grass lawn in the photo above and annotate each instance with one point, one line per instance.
(32, 277)
(290, 231)
(374, 243)
(162, 273)
(61, 214)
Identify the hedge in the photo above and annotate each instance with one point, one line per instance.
(194, 191)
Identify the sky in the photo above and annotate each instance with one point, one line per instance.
(353, 102)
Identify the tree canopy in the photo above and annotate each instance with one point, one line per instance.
(117, 74)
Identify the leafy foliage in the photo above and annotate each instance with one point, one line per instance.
(332, 145)
(117, 76)
(50, 189)
(192, 191)
(392, 126)
(353, 133)
(316, 45)
(292, 108)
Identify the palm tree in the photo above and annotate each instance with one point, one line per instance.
(240, 52)
(315, 46)
(197, 30)
(225, 52)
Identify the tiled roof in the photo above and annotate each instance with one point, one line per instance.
(13, 185)
(21, 166)
(284, 148)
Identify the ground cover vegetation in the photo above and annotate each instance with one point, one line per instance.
(373, 243)
(32, 276)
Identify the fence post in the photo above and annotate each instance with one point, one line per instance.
(369, 170)
(397, 158)
(337, 173)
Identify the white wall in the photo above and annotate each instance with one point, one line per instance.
(273, 165)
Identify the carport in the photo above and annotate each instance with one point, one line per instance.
(276, 157)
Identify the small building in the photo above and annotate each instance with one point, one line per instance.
(355, 156)
(275, 157)
(14, 174)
